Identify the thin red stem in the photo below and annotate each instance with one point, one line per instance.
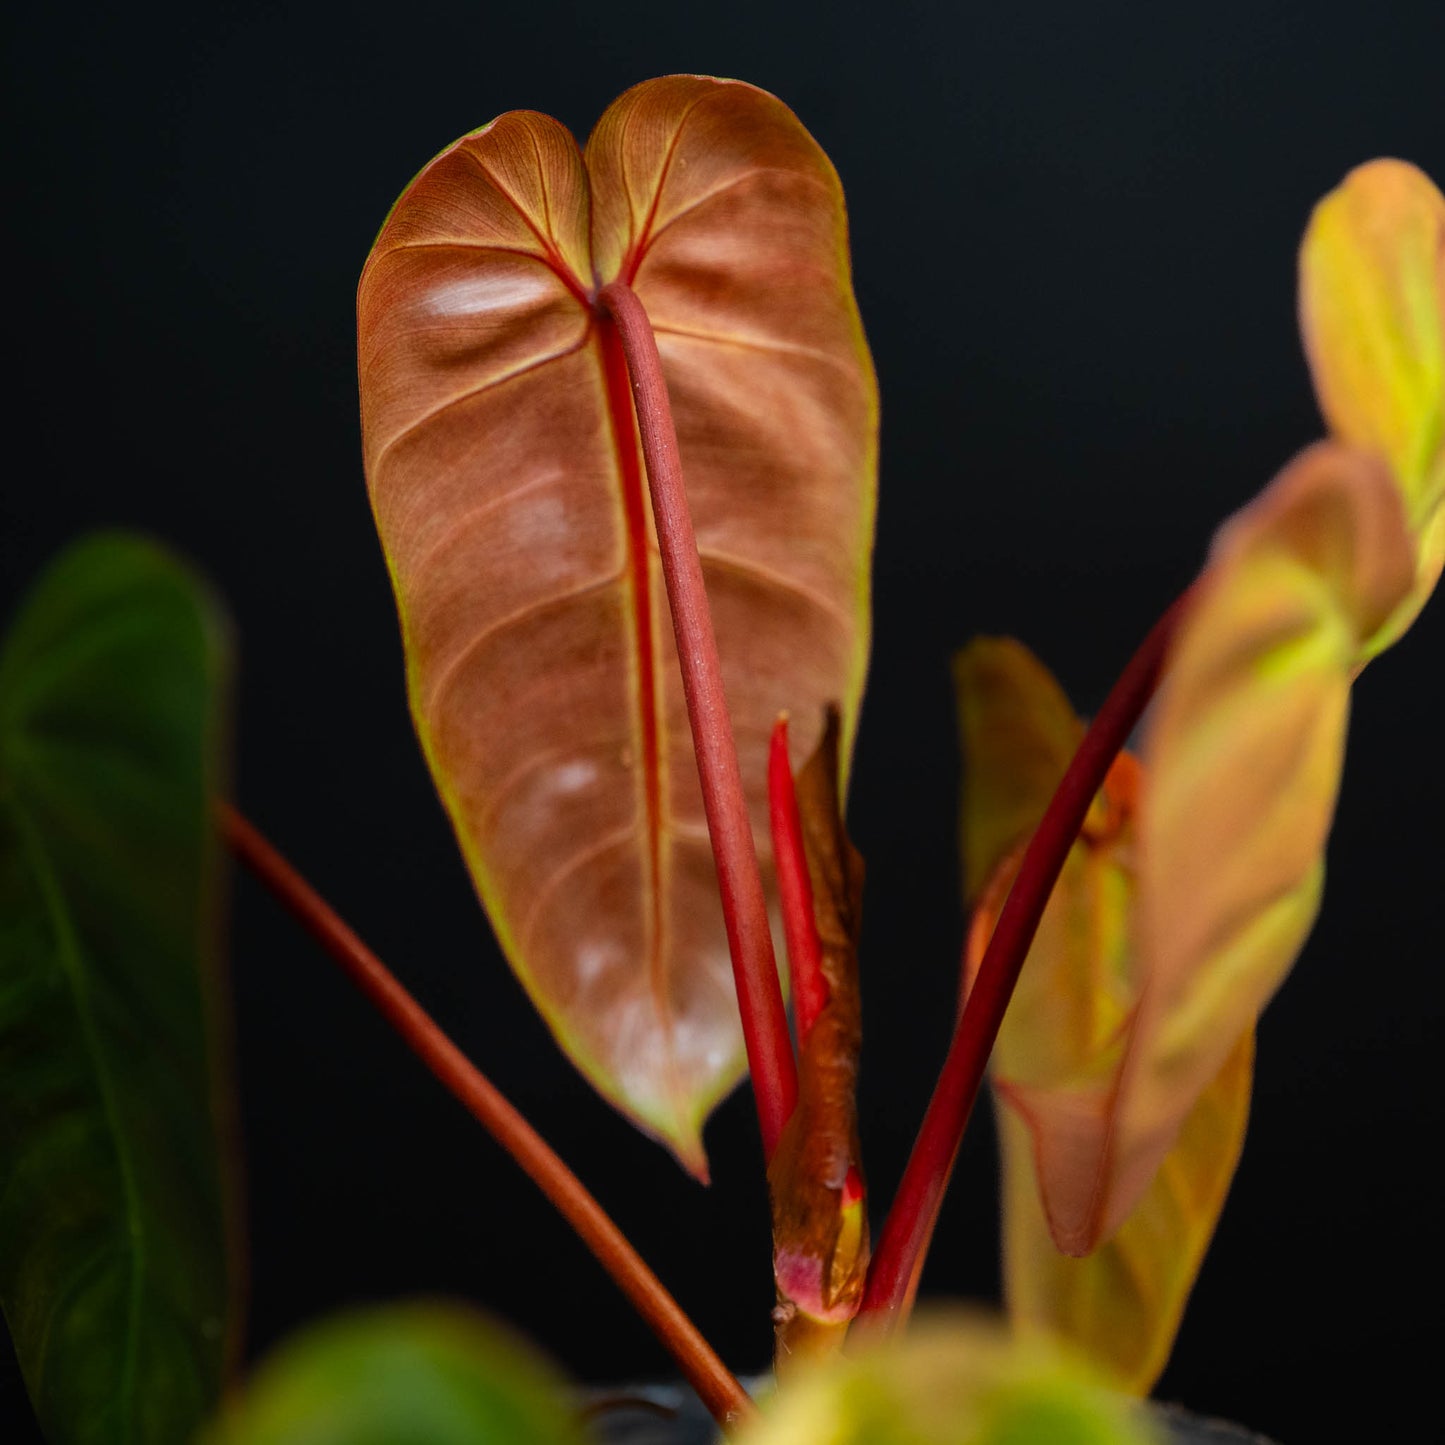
(893, 1275)
(795, 888)
(714, 1383)
(750, 939)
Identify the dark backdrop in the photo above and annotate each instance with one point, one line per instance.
(1074, 241)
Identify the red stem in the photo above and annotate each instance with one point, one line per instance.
(893, 1275)
(795, 888)
(750, 939)
(714, 1383)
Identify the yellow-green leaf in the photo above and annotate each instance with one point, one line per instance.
(1169, 932)
(1372, 310)
(402, 1375)
(1243, 757)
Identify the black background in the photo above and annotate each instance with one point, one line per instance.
(1074, 237)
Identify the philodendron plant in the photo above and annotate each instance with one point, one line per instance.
(619, 423)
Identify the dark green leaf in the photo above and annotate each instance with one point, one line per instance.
(403, 1375)
(115, 1273)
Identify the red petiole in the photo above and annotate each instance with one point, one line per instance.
(715, 1384)
(750, 939)
(897, 1261)
(795, 888)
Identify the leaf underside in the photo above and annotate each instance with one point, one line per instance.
(508, 490)
(116, 1272)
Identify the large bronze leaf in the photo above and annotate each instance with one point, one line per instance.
(507, 485)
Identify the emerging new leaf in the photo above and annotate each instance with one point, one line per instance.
(1372, 310)
(815, 1179)
(507, 485)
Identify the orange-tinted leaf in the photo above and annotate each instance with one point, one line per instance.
(1242, 764)
(1372, 310)
(815, 1180)
(1057, 1057)
(507, 486)
(1167, 936)
(1062, 1042)
(1243, 756)
(1121, 1305)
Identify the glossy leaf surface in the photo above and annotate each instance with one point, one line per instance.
(815, 1180)
(114, 1268)
(949, 1380)
(508, 491)
(1372, 310)
(402, 1375)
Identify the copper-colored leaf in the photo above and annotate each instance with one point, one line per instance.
(508, 490)
(1372, 310)
(815, 1179)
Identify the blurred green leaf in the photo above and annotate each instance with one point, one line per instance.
(115, 1273)
(403, 1375)
(954, 1379)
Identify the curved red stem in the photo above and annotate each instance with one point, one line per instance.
(714, 1382)
(893, 1275)
(750, 938)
